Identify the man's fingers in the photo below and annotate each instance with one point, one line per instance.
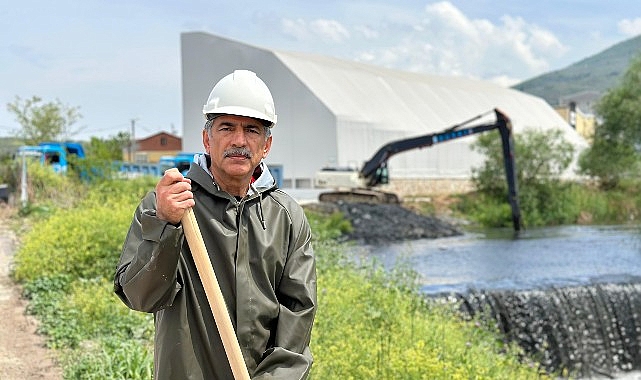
(171, 176)
(186, 203)
(173, 182)
(179, 187)
(173, 196)
(183, 195)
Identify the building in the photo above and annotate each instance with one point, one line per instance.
(578, 110)
(333, 112)
(583, 123)
(151, 148)
(584, 100)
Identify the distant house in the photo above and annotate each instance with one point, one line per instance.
(583, 123)
(578, 110)
(150, 149)
(584, 101)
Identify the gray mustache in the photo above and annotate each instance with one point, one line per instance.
(238, 152)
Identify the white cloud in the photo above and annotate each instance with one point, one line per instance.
(330, 30)
(444, 41)
(326, 30)
(367, 32)
(295, 28)
(503, 80)
(630, 27)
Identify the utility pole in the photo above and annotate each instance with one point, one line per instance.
(23, 181)
(132, 148)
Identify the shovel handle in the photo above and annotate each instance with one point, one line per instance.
(214, 295)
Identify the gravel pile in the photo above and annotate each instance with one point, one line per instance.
(386, 223)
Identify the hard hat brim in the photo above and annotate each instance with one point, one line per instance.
(242, 111)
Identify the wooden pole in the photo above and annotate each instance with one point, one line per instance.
(214, 296)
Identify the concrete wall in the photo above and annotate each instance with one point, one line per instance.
(420, 187)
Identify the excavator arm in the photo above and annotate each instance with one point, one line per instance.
(374, 172)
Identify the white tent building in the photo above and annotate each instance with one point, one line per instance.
(338, 113)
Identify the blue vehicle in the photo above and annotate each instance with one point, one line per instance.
(55, 154)
(181, 161)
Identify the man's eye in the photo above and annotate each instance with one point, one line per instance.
(253, 130)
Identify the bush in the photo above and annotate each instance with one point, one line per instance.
(556, 204)
(114, 359)
(46, 187)
(98, 312)
(72, 311)
(327, 227)
(541, 158)
(84, 241)
(9, 172)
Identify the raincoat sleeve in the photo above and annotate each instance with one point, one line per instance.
(146, 276)
(291, 357)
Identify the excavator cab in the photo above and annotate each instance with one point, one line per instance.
(382, 175)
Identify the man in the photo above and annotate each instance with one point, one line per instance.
(257, 237)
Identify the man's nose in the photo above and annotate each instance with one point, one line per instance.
(239, 138)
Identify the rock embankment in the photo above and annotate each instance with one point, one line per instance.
(379, 223)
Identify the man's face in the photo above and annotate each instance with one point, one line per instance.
(236, 145)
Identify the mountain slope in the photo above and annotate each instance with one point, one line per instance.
(598, 73)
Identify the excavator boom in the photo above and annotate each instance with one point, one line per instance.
(374, 171)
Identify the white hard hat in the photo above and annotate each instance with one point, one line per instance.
(242, 93)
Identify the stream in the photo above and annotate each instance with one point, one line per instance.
(569, 296)
(535, 259)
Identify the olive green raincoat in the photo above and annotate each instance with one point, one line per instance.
(260, 248)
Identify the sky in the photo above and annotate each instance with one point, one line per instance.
(118, 61)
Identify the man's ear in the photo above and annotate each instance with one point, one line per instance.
(206, 140)
(268, 146)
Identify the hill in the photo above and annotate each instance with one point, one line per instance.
(597, 73)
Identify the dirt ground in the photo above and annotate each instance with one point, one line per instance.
(23, 355)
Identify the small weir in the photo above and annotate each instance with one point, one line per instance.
(569, 296)
(589, 331)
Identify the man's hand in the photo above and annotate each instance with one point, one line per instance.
(173, 196)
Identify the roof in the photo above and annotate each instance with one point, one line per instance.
(416, 103)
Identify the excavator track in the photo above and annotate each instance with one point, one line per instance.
(359, 196)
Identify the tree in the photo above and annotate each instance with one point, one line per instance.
(109, 149)
(42, 121)
(616, 151)
(101, 154)
(541, 157)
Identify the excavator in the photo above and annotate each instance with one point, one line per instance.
(360, 184)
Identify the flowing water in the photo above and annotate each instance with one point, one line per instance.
(570, 296)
